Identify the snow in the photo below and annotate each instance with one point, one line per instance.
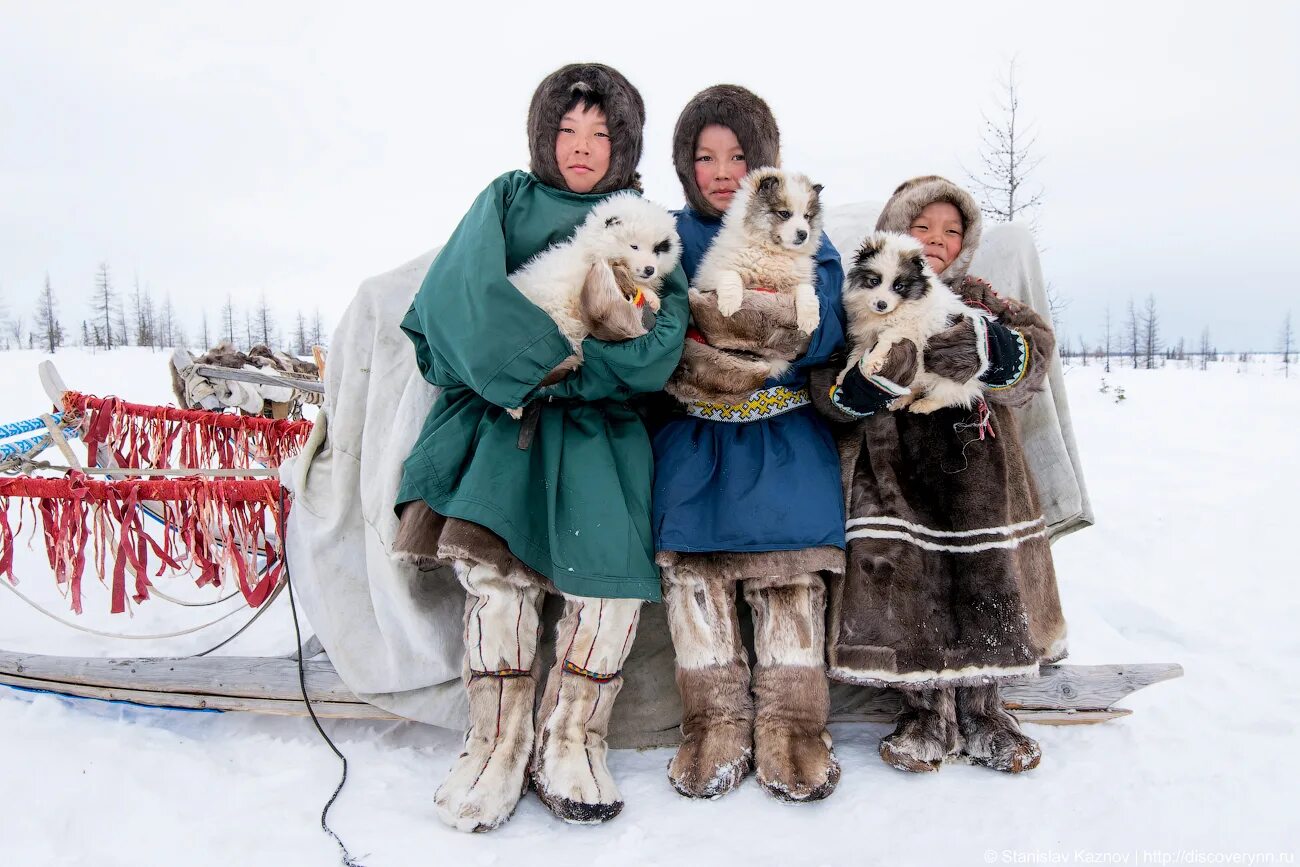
(1192, 476)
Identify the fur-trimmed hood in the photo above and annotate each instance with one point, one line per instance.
(624, 115)
(741, 111)
(910, 199)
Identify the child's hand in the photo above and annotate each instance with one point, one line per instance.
(861, 395)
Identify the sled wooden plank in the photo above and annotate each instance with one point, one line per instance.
(211, 372)
(1085, 686)
(204, 701)
(230, 676)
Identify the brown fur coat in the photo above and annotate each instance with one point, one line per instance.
(949, 579)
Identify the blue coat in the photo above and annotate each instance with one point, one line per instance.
(769, 485)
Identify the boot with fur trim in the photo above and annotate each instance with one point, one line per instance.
(991, 735)
(501, 631)
(927, 731)
(717, 749)
(791, 694)
(569, 767)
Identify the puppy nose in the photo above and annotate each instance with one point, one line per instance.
(881, 305)
(648, 271)
(800, 236)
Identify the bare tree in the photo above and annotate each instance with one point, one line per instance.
(228, 320)
(318, 337)
(142, 309)
(1205, 348)
(1083, 350)
(1008, 158)
(248, 329)
(300, 344)
(47, 318)
(1134, 330)
(1286, 343)
(1150, 325)
(264, 324)
(14, 331)
(169, 328)
(203, 330)
(105, 303)
(1056, 305)
(1107, 343)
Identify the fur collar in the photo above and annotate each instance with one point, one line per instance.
(624, 114)
(743, 113)
(910, 199)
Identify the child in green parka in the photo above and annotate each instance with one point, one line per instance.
(560, 503)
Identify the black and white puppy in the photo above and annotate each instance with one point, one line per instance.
(892, 294)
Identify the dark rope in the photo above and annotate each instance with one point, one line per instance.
(348, 860)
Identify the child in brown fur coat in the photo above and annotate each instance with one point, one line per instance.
(949, 587)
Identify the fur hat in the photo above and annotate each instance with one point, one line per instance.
(741, 111)
(910, 199)
(624, 114)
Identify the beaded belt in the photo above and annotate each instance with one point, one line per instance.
(764, 403)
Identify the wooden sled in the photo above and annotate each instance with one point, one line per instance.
(1062, 695)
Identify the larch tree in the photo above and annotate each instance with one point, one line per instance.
(47, 318)
(1007, 159)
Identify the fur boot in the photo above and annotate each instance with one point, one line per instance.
(791, 693)
(990, 733)
(501, 631)
(927, 731)
(717, 749)
(569, 768)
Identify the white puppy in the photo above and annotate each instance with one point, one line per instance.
(892, 294)
(595, 283)
(624, 236)
(768, 238)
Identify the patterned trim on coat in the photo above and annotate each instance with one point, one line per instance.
(761, 404)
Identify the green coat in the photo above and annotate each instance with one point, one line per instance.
(575, 505)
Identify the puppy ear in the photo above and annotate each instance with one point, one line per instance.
(817, 189)
(612, 221)
(769, 182)
(868, 251)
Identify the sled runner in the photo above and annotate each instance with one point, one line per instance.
(195, 491)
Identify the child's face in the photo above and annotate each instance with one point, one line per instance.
(582, 148)
(719, 165)
(939, 229)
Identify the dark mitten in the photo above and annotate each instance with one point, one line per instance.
(1008, 356)
(860, 395)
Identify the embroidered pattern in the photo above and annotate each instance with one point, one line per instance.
(1021, 364)
(500, 672)
(764, 403)
(599, 677)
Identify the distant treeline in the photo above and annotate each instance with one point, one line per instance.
(140, 317)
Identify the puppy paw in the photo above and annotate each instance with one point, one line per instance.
(731, 293)
(516, 413)
(875, 360)
(652, 300)
(807, 310)
(926, 405)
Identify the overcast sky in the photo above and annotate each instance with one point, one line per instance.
(295, 149)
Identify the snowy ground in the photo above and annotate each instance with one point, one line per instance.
(1193, 479)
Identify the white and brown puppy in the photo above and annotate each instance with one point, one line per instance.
(768, 238)
(577, 282)
(892, 294)
(596, 283)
